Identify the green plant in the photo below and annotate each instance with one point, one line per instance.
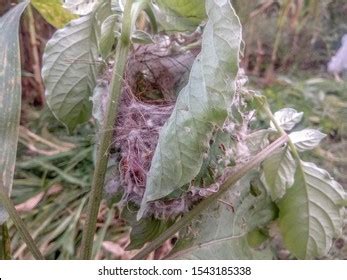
(214, 180)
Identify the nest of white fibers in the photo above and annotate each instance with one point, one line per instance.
(154, 75)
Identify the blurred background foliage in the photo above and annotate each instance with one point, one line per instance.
(287, 44)
(288, 35)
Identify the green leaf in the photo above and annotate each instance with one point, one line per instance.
(310, 213)
(221, 234)
(70, 67)
(201, 106)
(53, 12)
(287, 118)
(180, 15)
(306, 139)
(144, 6)
(108, 35)
(191, 9)
(256, 237)
(141, 37)
(10, 97)
(149, 10)
(220, 155)
(278, 173)
(143, 231)
(257, 140)
(79, 7)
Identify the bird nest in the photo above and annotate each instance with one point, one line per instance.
(154, 75)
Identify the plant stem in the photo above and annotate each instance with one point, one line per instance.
(6, 242)
(264, 106)
(7, 203)
(106, 134)
(203, 205)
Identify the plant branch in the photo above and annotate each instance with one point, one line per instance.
(106, 134)
(21, 227)
(203, 205)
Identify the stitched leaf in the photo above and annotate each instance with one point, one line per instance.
(201, 106)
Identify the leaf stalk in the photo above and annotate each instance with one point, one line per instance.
(264, 106)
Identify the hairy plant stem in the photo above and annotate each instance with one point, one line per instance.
(6, 242)
(203, 205)
(21, 227)
(106, 134)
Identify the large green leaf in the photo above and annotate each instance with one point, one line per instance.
(53, 12)
(10, 96)
(180, 15)
(221, 233)
(70, 67)
(311, 212)
(278, 172)
(201, 105)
